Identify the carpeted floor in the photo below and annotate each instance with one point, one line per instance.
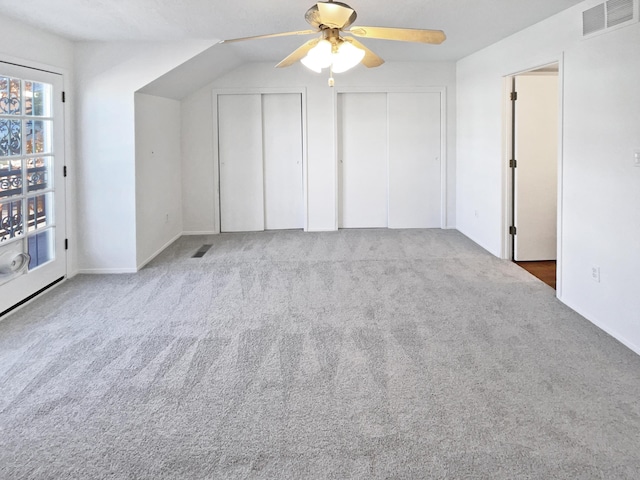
(354, 354)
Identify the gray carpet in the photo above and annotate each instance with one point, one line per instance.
(353, 354)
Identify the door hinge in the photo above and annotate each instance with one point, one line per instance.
(66, 244)
(512, 230)
(64, 97)
(514, 96)
(513, 163)
(64, 171)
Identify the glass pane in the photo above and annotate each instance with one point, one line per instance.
(41, 248)
(42, 99)
(10, 137)
(9, 96)
(40, 213)
(37, 99)
(28, 98)
(37, 136)
(10, 220)
(4, 95)
(38, 173)
(10, 178)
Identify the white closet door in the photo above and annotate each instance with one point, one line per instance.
(282, 127)
(537, 170)
(240, 156)
(414, 160)
(362, 147)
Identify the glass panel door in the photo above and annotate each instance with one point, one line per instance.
(32, 227)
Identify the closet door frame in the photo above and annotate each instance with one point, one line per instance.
(443, 138)
(302, 91)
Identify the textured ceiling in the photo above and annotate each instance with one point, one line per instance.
(469, 24)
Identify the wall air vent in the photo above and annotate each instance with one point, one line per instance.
(619, 11)
(593, 20)
(607, 15)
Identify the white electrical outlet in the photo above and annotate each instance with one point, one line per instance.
(595, 274)
(636, 157)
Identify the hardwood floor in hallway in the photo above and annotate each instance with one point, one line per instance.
(544, 270)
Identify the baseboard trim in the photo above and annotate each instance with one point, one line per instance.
(194, 233)
(106, 271)
(471, 237)
(612, 333)
(159, 251)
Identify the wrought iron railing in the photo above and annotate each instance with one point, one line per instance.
(11, 210)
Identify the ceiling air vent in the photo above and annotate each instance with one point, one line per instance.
(593, 20)
(619, 11)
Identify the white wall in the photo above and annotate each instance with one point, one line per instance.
(36, 47)
(601, 201)
(31, 47)
(158, 177)
(108, 74)
(600, 188)
(199, 189)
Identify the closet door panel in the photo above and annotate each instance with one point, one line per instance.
(414, 160)
(362, 160)
(283, 192)
(240, 157)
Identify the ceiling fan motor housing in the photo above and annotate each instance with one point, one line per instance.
(330, 15)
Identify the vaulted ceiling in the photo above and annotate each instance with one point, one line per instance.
(469, 24)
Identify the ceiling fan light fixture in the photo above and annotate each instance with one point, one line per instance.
(347, 57)
(340, 58)
(309, 63)
(319, 57)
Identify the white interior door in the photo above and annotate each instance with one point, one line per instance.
(240, 159)
(414, 160)
(536, 137)
(32, 188)
(362, 147)
(283, 193)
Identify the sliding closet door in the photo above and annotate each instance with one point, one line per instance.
(282, 127)
(240, 156)
(414, 160)
(362, 147)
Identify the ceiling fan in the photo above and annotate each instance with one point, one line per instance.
(340, 53)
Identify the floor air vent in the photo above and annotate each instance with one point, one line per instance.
(201, 251)
(607, 15)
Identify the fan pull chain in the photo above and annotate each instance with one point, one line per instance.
(331, 82)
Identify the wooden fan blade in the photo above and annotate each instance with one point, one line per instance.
(298, 54)
(401, 34)
(370, 59)
(335, 14)
(271, 35)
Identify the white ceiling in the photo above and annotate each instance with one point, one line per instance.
(469, 24)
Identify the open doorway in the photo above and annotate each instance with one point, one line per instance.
(535, 116)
